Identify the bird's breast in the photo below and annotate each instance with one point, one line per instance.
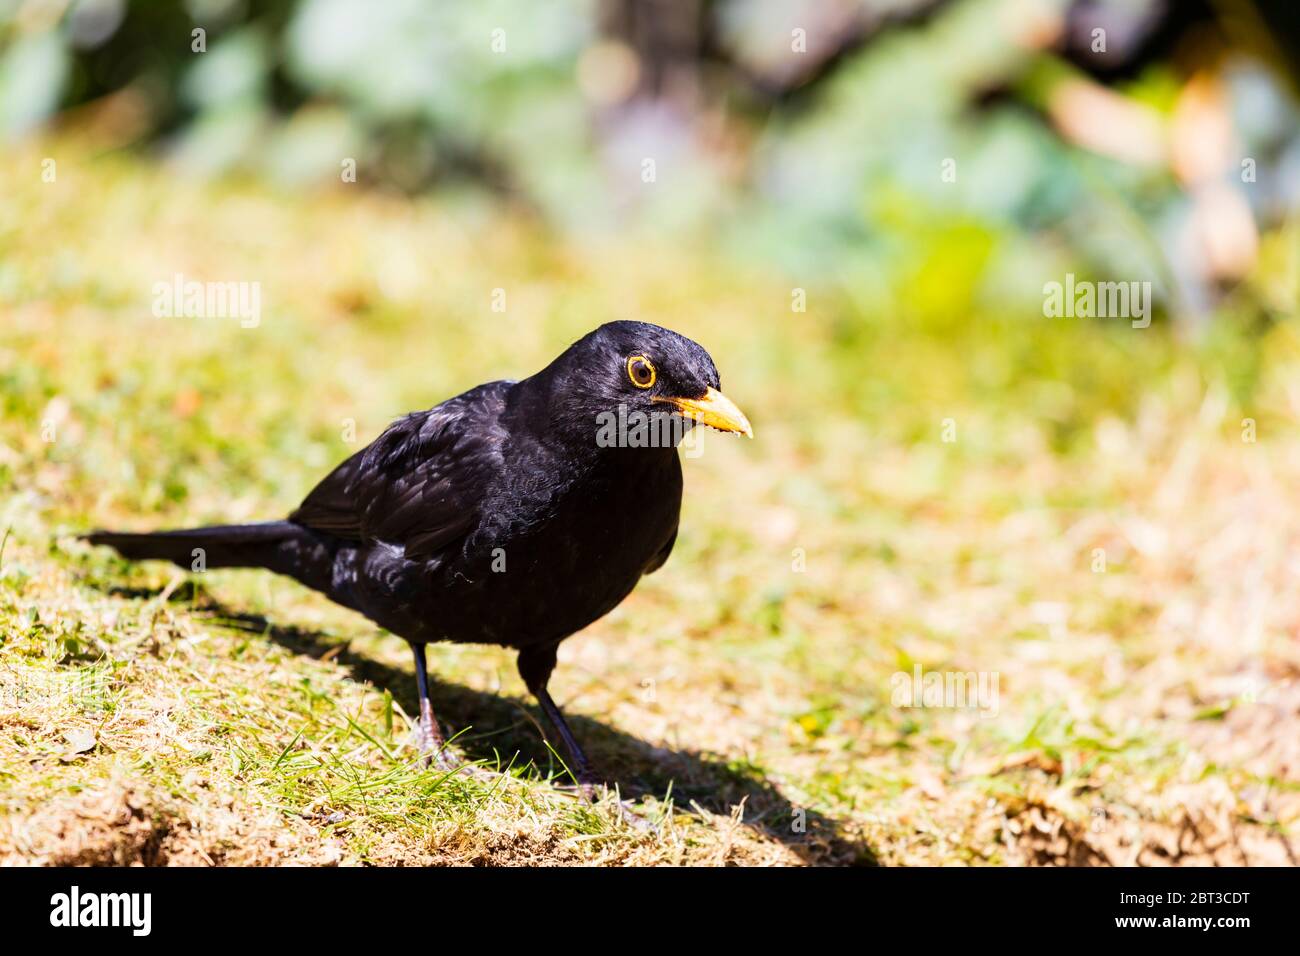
(550, 559)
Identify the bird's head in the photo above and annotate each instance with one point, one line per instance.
(638, 372)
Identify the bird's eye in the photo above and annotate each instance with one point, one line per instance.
(641, 371)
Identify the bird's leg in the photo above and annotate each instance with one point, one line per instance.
(587, 779)
(432, 744)
(535, 666)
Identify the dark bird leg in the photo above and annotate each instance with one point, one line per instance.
(432, 744)
(535, 666)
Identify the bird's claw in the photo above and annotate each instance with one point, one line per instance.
(442, 758)
(635, 820)
(591, 792)
(434, 751)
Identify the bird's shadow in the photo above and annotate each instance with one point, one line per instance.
(506, 728)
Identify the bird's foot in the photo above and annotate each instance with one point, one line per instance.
(592, 790)
(442, 758)
(634, 820)
(434, 751)
(433, 746)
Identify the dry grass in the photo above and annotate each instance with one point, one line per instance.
(1148, 713)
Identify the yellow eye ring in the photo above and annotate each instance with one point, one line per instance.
(641, 371)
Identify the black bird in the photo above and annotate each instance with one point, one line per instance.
(516, 513)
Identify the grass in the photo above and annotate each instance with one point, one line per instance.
(744, 695)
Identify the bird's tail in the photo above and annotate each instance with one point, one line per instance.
(280, 546)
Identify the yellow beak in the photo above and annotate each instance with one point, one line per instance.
(715, 410)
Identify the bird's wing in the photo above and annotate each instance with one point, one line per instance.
(419, 484)
(329, 507)
(658, 561)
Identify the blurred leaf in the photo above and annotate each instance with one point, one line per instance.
(32, 75)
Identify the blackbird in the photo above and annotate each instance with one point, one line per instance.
(515, 514)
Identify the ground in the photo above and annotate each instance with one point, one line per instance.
(1098, 521)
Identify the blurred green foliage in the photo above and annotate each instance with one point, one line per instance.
(934, 161)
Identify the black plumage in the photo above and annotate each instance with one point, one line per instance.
(516, 513)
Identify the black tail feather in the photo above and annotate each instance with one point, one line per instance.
(219, 546)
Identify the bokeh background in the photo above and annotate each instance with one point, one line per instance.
(1094, 136)
(856, 206)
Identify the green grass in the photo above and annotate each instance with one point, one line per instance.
(743, 704)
